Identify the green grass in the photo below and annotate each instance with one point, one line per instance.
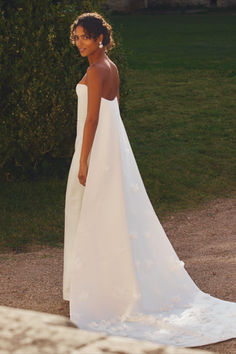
(182, 134)
(179, 42)
(180, 121)
(182, 105)
(32, 213)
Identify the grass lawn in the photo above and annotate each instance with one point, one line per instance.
(181, 114)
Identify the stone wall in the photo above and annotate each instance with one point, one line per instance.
(31, 332)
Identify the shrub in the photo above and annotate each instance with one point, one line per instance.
(40, 69)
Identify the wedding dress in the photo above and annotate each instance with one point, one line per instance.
(121, 273)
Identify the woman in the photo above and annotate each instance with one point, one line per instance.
(121, 274)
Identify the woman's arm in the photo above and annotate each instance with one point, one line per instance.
(95, 82)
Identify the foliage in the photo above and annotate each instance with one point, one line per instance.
(40, 69)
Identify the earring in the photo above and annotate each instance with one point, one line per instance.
(100, 45)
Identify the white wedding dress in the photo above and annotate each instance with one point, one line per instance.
(121, 273)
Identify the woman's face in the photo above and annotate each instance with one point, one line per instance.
(86, 45)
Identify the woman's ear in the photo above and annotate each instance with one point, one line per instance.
(100, 38)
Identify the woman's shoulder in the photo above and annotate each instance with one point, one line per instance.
(97, 72)
(113, 64)
(102, 70)
(96, 68)
(102, 65)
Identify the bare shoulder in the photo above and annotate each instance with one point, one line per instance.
(97, 71)
(114, 65)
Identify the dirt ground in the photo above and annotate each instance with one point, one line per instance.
(204, 238)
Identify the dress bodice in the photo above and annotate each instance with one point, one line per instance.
(82, 92)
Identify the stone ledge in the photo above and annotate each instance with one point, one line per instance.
(32, 332)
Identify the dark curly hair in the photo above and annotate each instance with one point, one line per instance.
(94, 24)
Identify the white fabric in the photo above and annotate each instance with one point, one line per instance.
(121, 273)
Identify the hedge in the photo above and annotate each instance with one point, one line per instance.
(40, 69)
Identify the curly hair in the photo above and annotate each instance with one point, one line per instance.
(94, 24)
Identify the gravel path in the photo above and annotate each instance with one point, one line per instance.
(205, 239)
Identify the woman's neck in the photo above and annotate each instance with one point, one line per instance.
(97, 56)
